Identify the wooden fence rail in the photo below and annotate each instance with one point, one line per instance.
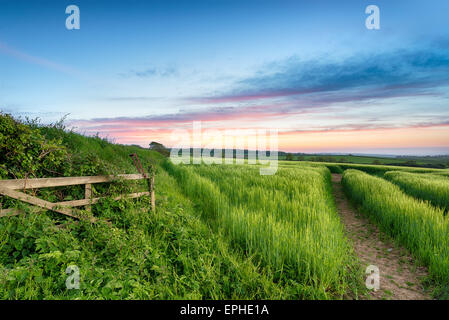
(10, 189)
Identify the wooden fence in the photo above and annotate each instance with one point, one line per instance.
(10, 188)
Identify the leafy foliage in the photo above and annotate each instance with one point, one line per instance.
(26, 153)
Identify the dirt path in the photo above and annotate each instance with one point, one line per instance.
(399, 278)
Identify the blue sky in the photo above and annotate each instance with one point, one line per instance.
(138, 69)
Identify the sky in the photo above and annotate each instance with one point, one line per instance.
(136, 71)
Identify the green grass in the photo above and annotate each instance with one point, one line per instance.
(426, 161)
(418, 226)
(287, 221)
(170, 254)
(167, 254)
(219, 231)
(431, 187)
(379, 170)
(443, 173)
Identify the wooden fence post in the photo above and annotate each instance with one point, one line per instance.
(88, 195)
(152, 172)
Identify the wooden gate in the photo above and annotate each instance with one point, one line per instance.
(11, 189)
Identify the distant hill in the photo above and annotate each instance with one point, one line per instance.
(439, 162)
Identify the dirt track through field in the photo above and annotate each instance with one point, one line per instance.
(399, 278)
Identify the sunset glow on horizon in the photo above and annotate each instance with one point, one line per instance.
(339, 141)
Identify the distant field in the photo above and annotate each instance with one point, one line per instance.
(440, 162)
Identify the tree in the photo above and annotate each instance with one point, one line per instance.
(159, 147)
(289, 157)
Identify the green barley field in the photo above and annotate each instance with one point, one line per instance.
(419, 226)
(219, 231)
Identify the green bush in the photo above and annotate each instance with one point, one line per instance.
(26, 153)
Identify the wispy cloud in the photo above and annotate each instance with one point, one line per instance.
(377, 76)
(169, 122)
(341, 128)
(149, 72)
(214, 114)
(130, 98)
(336, 104)
(17, 54)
